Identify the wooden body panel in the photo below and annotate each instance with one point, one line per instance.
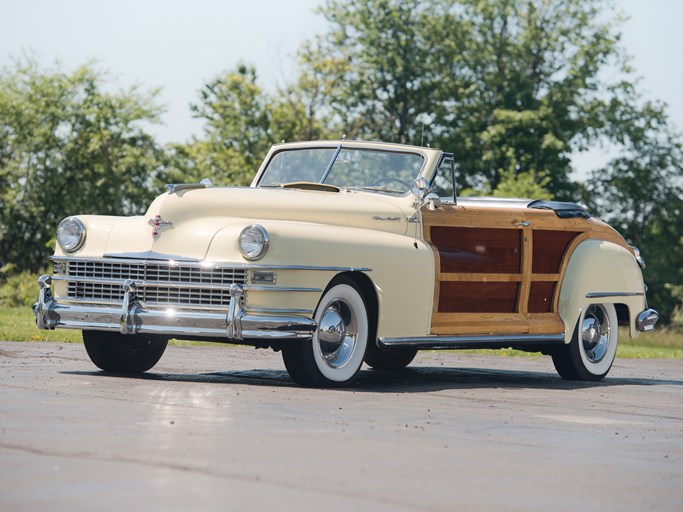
(499, 270)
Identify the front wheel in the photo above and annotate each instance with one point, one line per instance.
(114, 352)
(591, 352)
(389, 359)
(334, 355)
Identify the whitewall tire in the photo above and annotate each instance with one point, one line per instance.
(591, 352)
(335, 353)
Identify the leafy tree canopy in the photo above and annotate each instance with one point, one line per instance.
(69, 146)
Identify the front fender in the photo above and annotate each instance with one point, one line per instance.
(608, 270)
(402, 274)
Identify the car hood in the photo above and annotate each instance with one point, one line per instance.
(187, 221)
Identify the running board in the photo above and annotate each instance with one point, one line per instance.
(527, 341)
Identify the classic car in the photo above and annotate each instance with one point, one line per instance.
(344, 252)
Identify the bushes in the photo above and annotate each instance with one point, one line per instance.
(20, 289)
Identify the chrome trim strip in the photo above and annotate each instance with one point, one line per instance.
(144, 255)
(263, 288)
(602, 295)
(483, 341)
(272, 311)
(182, 285)
(208, 264)
(172, 306)
(144, 284)
(307, 267)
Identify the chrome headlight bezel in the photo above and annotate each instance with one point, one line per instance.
(71, 234)
(254, 242)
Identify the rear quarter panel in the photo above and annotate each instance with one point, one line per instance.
(599, 266)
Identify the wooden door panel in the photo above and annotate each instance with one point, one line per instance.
(549, 249)
(541, 296)
(478, 297)
(498, 271)
(477, 250)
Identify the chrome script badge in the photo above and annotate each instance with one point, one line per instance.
(157, 222)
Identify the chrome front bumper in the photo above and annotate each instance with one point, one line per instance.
(131, 317)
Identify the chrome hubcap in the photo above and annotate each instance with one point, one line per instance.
(595, 333)
(337, 334)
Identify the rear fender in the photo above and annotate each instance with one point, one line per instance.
(601, 272)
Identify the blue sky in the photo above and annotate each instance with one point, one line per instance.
(179, 44)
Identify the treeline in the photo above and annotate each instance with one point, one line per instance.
(513, 89)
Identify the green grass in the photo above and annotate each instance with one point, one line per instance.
(18, 324)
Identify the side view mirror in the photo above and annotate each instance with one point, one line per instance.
(419, 188)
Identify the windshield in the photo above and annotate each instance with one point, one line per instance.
(366, 169)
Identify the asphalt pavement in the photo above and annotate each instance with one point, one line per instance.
(223, 428)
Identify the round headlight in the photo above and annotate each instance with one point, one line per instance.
(254, 242)
(71, 234)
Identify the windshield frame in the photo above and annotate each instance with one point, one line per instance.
(348, 147)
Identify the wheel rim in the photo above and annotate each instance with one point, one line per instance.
(595, 333)
(337, 334)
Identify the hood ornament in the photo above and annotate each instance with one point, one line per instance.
(157, 222)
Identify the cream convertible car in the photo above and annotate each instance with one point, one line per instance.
(342, 252)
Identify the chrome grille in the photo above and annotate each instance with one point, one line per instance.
(96, 291)
(151, 278)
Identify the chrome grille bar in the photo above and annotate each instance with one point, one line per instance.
(172, 283)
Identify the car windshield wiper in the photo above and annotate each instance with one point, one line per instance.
(375, 188)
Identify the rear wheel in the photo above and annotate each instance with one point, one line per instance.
(334, 355)
(591, 352)
(114, 352)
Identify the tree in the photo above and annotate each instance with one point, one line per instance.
(243, 121)
(640, 192)
(68, 147)
(381, 65)
(513, 89)
(501, 83)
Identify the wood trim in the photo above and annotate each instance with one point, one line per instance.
(545, 323)
(460, 276)
(466, 277)
(520, 322)
(545, 277)
(527, 261)
(473, 217)
(496, 323)
(479, 323)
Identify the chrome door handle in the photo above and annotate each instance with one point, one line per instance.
(524, 223)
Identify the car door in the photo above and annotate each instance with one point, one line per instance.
(489, 277)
